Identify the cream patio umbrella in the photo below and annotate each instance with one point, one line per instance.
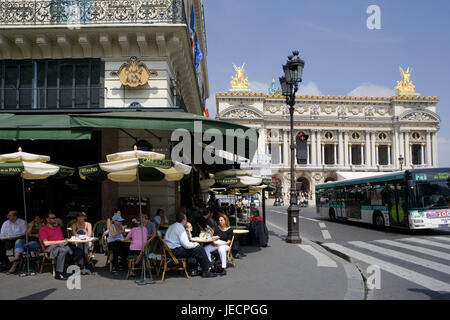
(136, 165)
(30, 166)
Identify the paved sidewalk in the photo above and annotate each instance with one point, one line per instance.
(280, 271)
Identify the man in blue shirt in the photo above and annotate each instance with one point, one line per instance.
(177, 240)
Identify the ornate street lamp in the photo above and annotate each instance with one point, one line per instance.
(293, 70)
(400, 160)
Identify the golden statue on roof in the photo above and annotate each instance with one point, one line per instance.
(405, 85)
(239, 82)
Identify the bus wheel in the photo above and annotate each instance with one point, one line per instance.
(378, 220)
(332, 215)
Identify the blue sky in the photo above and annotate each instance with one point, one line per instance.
(342, 56)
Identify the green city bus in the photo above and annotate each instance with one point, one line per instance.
(411, 199)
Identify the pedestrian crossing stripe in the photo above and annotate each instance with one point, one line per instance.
(442, 238)
(427, 242)
(410, 275)
(426, 251)
(403, 256)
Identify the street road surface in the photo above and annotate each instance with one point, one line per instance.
(413, 264)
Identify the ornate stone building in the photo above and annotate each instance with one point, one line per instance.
(114, 59)
(346, 133)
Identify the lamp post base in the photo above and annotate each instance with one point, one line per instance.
(293, 225)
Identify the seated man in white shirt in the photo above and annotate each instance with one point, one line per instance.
(12, 226)
(177, 240)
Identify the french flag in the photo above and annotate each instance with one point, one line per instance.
(192, 31)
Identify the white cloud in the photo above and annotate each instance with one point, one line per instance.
(256, 86)
(443, 152)
(310, 89)
(368, 89)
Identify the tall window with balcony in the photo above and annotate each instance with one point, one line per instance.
(52, 84)
(356, 149)
(384, 151)
(329, 149)
(417, 149)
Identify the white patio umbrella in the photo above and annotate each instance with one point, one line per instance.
(30, 166)
(137, 165)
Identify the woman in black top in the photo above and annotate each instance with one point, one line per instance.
(222, 245)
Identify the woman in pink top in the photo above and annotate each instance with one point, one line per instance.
(138, 236)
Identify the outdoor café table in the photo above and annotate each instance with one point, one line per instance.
(78, 240)
(4, 237)
(204, 241)
(240, 231)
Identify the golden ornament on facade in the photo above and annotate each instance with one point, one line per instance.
(239, 82)
(134, 73)
(405, 85)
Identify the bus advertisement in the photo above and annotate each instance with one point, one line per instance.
(411, 199)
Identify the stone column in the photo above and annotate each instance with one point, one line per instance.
(346, 162)
(341, 149)
(322, 154)
(335, 153)
(308, 158)
(318, 149)
(286, 148)
(350, 162)
(367, 149)
(389, 154)
(280, 145)
(434, 142)
(422, 153)
(373, 151)
(395, 151)
(402, 146)
(377, 154)
(262, 141)
(362, 154)
(313, 148)
(429, 149)
(407, 150)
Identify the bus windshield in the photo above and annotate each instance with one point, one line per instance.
(429, 195)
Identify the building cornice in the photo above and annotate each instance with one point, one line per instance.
(308, 97)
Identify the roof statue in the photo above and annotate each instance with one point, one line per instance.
(239, 82)
(405, 86)
(273, 89)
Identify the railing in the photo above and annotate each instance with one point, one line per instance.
(86, 12)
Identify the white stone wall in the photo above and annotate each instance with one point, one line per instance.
(154, 94)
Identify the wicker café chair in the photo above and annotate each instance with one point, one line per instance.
(46, 259)
(170, 262)
(152, 249)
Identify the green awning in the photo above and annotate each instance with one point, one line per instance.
(40, 127)
(79, 126)
(150, 120)
(167, 121)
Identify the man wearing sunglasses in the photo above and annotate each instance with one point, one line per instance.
(57, 248)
